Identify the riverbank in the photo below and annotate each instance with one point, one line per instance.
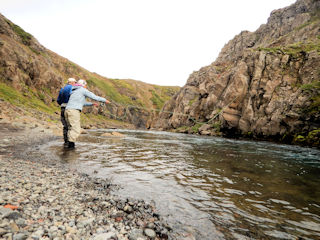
(41, 198)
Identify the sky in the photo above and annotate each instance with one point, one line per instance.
(155, 41)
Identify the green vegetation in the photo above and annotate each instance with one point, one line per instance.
(25, 37)
(249, 134)
(161, 94)
(93, 119)
(195, 128)
(71, 65)
(192, 101)
(311, 86)
(182, 129)
(29, 100)
(315, 16)
(35, 51)
(217, 126)
(294, 50)
(157, 101)
(109, 89)
(313, 89)
(121, 84)
(311, 138)
(126, 92)
(222, 68)
(315, 105)
(169, 91)
(303, 25)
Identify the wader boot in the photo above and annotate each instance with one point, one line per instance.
(71, 145)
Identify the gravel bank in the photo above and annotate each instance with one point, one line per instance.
(42, 199)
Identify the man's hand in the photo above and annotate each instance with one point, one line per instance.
(95, 104)
(107, 101)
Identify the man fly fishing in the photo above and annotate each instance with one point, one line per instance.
(63, 98)
(74, 107)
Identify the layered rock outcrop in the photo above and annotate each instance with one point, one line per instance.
(264, 84)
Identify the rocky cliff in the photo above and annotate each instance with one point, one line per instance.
(31, 76)
(264, 84)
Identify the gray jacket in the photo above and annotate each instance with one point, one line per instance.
(78, 98)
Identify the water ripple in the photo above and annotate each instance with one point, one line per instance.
(210, 186)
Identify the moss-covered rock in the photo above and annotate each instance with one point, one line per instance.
(311, 138)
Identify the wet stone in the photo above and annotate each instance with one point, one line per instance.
(14, 227)
(8, 236)
(164, 234)
(151, 225)
(21, 222)
(2, 231)
(20, 236)
(136, 234)
(37, 235)
(150, 233)
(128, 209)
(85, 222)
(103, 236)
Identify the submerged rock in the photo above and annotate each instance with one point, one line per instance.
(112, 134)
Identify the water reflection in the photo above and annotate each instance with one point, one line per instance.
(68, 156)
(212, 188)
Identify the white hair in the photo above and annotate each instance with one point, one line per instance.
(70, 80)
(82, 82)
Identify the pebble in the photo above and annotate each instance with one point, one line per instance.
(20, 236)
(37, 235)
(104, 236)
(3, 231)
(128, 209)
(150, 233)
(4, 212)
(151, 225)
(49, 201)
(136, 234)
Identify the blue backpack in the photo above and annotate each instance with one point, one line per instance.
(64, 94)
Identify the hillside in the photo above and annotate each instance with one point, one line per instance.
(31, 76)
(263, 85)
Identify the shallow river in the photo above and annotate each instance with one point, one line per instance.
(208, 187)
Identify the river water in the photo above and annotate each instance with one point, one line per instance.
(209, 187)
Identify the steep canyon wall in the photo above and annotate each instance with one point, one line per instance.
(264, 84)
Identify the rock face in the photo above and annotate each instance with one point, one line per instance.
(264, 84)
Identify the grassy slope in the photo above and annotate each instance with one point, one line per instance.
(122, 91)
